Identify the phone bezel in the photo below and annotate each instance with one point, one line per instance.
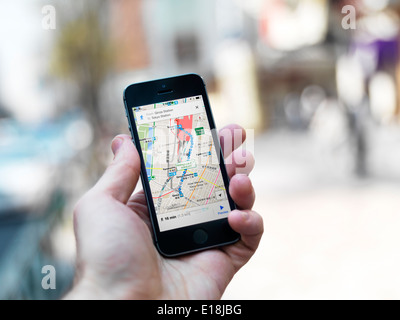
(179, 241)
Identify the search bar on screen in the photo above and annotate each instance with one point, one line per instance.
(169, 112)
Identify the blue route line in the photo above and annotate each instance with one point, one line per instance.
(179, 127)
(162, 190)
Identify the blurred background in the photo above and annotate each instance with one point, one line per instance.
(315, 82)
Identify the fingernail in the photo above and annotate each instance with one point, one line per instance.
(245, 215)
(116, 144)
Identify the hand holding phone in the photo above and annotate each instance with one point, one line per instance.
(115, 252)
(183, 172)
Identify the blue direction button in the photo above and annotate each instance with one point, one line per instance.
(222, 210)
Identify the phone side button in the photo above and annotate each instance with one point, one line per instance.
(200, 236)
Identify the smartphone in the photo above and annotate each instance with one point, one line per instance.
(182, 168)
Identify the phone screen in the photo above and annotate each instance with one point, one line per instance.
(182, 163)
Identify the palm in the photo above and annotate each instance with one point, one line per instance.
(180, 277)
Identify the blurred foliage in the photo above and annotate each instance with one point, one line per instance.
(83, 55)
(83, 51)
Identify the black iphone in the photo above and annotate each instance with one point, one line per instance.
(182, 167)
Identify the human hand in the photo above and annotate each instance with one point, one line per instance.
(116, 257)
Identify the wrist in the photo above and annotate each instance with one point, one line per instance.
(84, 289)
(87, 288)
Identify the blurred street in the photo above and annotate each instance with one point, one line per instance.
(315, 82)
(327, 235)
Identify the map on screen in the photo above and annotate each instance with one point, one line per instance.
(181, 163)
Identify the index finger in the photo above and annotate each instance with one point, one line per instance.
(231, 137)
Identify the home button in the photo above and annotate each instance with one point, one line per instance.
(200, 236)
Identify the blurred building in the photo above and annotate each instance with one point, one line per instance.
(128, 35)
(25, 87)
(166, 38)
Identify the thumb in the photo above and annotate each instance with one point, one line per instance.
(121, 176)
